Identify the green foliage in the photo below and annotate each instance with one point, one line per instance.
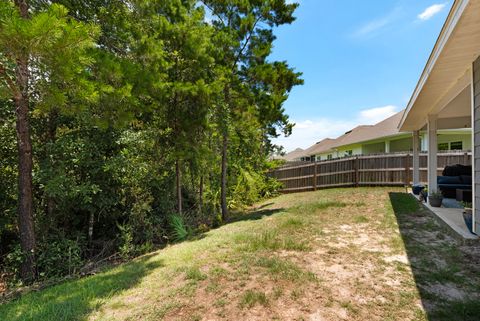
(179, 230)
(126, 247)
(122, 91)
(58, 54)
(13, 261)
(252, 186)
(56, 256)
(435, 195)
(59, 256)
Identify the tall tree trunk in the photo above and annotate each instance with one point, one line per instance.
(223, 196)
(25, 162)
(179, 186)
(223, 191)
(91, 222)
(200, 195)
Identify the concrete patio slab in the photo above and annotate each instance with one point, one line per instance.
(452, 220)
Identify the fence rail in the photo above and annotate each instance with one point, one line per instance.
(373, 170)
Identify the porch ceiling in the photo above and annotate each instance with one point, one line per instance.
(444, 87)
(457, 113)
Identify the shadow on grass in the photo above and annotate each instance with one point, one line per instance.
(254, 215)
(74, 300)
(416, 228)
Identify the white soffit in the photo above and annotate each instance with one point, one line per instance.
(446, 74)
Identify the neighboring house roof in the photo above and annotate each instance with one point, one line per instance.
(320, 147)
(297, 153)
(360, 134)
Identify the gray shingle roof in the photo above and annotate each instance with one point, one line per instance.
(385, 128)
(297, 153)
(360, 134)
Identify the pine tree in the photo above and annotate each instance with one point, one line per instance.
(42, 60)
(244, 29)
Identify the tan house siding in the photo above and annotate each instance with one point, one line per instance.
(476, 130)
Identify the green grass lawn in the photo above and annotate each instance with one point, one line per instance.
(340, 254)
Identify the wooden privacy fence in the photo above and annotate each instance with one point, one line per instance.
(374, 170)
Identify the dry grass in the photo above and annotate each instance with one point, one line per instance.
(343, 254)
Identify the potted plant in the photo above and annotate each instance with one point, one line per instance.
(467, 208)
(435, 199)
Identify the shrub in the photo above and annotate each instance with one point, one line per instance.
(126, 247)
(12, 261)
(179, 230)
(59, 256)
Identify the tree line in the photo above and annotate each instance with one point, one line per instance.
(131, 123)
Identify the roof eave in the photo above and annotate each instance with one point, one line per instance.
(453, 17)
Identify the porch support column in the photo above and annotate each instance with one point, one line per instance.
(387, 146)
(416, 157)
(432, 153)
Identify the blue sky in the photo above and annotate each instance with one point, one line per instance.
(361, 61)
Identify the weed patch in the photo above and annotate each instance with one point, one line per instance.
(272, 240)
(195, 274)
(293, 223)
(360, 219)
(318, 206)
(251, 298)
(280, 268)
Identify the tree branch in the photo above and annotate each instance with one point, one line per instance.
(213, 12)
(247, 41)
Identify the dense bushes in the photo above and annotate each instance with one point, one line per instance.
(148, 122)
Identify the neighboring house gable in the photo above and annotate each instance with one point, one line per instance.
(293, 155)
(322, 147)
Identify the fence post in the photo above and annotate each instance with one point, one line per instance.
(355, 166)
(465, 159)
(315, 176)
(407, 170)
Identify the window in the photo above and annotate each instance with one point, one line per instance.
(349, 152)
(450, 146)
(329, 156)
(443, 146)
(456, 146)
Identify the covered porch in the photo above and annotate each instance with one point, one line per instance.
(447, 96)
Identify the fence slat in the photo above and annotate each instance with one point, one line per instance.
(372, 170)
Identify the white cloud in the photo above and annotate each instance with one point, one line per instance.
(372, 26)
(375, 115)
(308, 132)
(431, 11)
(376, 25)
